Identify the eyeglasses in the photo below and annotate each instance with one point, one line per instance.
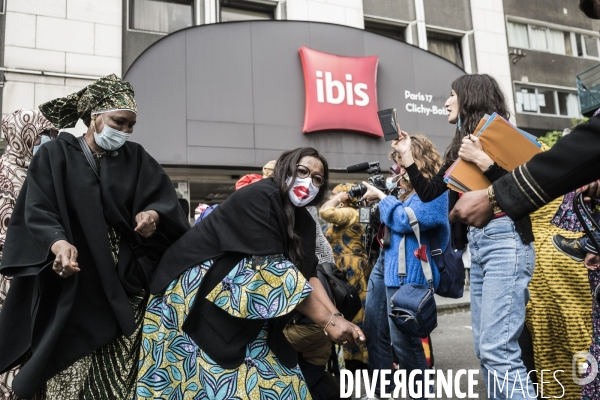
(303, 172)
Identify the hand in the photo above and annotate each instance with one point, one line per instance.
(342, 197)
(146, 223)
(590, 191)
(592, 261)
(471, 151)
(65, 264)
(473, 208)
(372, 192)
(345, 332)
(402, 145)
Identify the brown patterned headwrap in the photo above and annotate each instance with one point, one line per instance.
(108, 93)
(345, 187)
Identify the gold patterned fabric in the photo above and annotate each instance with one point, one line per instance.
(558, 312)
(345, 234)
(111, 371)
(108, 373)
(110, 92)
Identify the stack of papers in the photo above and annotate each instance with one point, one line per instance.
(507, 145)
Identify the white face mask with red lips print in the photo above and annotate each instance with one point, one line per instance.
(303, 191)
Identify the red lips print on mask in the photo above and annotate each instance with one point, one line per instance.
(301, 192)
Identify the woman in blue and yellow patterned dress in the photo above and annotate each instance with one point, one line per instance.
(223, 293)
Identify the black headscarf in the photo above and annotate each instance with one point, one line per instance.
(251, 222)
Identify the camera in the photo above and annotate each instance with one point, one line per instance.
(369, 216)
(376, 179)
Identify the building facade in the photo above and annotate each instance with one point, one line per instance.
(535, 49)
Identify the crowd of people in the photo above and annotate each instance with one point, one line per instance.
(108, 292)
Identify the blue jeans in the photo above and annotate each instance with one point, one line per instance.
(501, 268)
(382, 335)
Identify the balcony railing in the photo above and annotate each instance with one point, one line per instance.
(588, 86)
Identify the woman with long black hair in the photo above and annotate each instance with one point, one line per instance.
(224, 291)
(502, 254)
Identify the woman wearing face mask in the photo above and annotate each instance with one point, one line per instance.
(24, 131)
(502, 254)
(80, 247)
(384, 280)
(225, 290)
(345, 235)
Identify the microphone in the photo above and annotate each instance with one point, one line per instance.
(362, 166)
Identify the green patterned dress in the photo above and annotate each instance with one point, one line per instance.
(109, 372)
(172, 366)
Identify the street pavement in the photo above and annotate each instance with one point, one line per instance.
(453, 348)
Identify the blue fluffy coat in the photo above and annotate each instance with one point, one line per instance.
(431, 216)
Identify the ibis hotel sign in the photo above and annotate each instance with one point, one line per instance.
(238, 94)
(341, 92)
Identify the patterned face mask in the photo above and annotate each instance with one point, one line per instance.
(303, 191)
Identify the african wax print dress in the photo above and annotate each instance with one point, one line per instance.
(111, 371)
(173, 366)
(345, 234)
(558, 312)
(20, 129)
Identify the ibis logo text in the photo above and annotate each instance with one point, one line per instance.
(341, 93)
(334, 92)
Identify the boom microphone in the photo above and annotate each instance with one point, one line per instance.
(362, 166)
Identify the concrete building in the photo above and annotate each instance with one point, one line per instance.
(534, 48)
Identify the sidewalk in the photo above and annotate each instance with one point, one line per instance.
(445, 305)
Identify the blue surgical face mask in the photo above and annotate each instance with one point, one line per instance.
(45, 139)
(458, 124)
(110, 139)
(390, 184)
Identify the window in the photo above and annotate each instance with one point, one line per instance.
(546, 101)
(554, 41)
(163, 16)
(445, 46)
(390, 30)
(233, 14)
(591, 46)
(517, 35)
(240, 10)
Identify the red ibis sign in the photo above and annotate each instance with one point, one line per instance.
(341, 93)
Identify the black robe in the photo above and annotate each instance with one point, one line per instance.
(251, 222)
(62, 320)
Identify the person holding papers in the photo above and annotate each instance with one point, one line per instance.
(502, 253)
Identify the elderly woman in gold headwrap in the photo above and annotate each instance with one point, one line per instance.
(24, 132)
(94, 216)
(345, 234)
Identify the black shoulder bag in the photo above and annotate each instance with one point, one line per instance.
(146, 266)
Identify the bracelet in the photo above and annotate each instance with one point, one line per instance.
(492, 199)
(327, 325)
(332, 322)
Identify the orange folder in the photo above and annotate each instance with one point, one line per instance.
(506, 145)
(470, 176)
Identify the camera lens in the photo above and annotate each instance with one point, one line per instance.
(357, 191)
